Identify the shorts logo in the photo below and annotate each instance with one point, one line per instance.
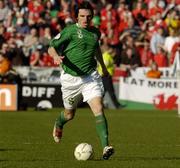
(71, 101)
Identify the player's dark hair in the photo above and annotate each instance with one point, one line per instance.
(84, 5)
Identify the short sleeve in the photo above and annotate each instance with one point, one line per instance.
(60, 38)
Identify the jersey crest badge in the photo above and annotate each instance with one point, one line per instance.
(57, 36)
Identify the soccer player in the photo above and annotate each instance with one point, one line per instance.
(76, 48)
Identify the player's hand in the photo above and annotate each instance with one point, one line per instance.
(58, 60)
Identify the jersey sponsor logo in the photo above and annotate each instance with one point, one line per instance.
(8, 97)
(79, 33)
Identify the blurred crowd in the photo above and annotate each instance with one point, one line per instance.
(140, 32)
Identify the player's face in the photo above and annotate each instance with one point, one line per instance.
(84, 17)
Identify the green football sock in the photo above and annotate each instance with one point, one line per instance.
(61, 120)
(102, 130)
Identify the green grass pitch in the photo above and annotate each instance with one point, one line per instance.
(142, 139)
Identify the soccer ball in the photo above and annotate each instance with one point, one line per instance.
(83, 151)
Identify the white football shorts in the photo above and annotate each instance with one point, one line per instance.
(80, 88)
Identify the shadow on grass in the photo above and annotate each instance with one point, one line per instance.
(3, 160)
(141, 158)
(8, 149)
(144, 158)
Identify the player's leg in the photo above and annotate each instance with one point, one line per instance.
(71, 96)
(62, 119)
(101, 122)
(92, 93)
(101, 126)
(70, 103)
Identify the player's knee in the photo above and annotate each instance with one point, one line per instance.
(97, 109)
(69, 115)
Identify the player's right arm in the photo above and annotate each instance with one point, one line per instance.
(53, 53)
(56, 45)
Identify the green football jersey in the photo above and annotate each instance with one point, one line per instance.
(78, 45)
